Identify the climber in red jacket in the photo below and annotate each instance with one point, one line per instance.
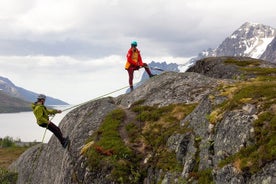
(134, 62)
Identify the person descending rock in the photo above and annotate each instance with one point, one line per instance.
(42, 116)
(134, 62)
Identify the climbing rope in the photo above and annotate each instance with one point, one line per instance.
(39, 152)
(159, 69)
(72, 107)
(99, 97)
(44, 134)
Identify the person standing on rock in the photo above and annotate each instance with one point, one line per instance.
(134, 62)
(42, 116)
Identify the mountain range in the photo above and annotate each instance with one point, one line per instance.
(11, 93)
(250, 40)
(12, 104)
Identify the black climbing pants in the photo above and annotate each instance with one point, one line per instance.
(53, 128)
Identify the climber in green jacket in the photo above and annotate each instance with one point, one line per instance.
(42, 116)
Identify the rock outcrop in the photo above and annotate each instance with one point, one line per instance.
(207, 142)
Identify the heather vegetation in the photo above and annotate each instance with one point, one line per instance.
(9, 152)
(261, 92)
(144, 146)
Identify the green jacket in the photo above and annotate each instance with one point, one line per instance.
(42, 113)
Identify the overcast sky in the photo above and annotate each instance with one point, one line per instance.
(75, 50)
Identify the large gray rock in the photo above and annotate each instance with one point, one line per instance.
(266, 176)
(170, 88)
(201, 148)
(230, 175)
(234, 132)
(56, 165)
(217, 67)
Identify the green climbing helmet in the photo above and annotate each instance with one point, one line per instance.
(134, 43)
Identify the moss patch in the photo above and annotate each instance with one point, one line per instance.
(263, 95)
(110, 153)
(7, 177)
(242, 63)
(152, 127)
(158, 125)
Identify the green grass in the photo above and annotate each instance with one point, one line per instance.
(152, 127)
(263, 95)
(261, 71)
(242, 63)
(254, 157)
(7, 177)
(159, 125)
(205, 177)
(122, 162)
(9, 152)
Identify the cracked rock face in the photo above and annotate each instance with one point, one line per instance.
(202, 148)
(170, 88)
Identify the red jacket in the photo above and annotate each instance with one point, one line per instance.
(131, 60)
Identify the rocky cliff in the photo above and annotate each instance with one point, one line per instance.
(214, 124)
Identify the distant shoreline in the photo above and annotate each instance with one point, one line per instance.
(4, 110)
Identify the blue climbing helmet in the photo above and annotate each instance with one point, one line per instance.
(134, 43)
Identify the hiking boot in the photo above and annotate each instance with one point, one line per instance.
(66, 142)
(131, 88)
(152, 75)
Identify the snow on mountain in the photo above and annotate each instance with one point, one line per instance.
(14, 91)
(261, 38)
(270, 52)
(7, 86)
(258, 47)
(184, 67)
(250, 40)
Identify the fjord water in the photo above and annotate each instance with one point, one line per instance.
(23, 126)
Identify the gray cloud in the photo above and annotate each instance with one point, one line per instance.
(101, 28)
(48, 44)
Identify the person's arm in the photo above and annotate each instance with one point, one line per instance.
(53, 111)
(140, 62)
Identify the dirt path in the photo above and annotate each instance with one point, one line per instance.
(131, 118)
